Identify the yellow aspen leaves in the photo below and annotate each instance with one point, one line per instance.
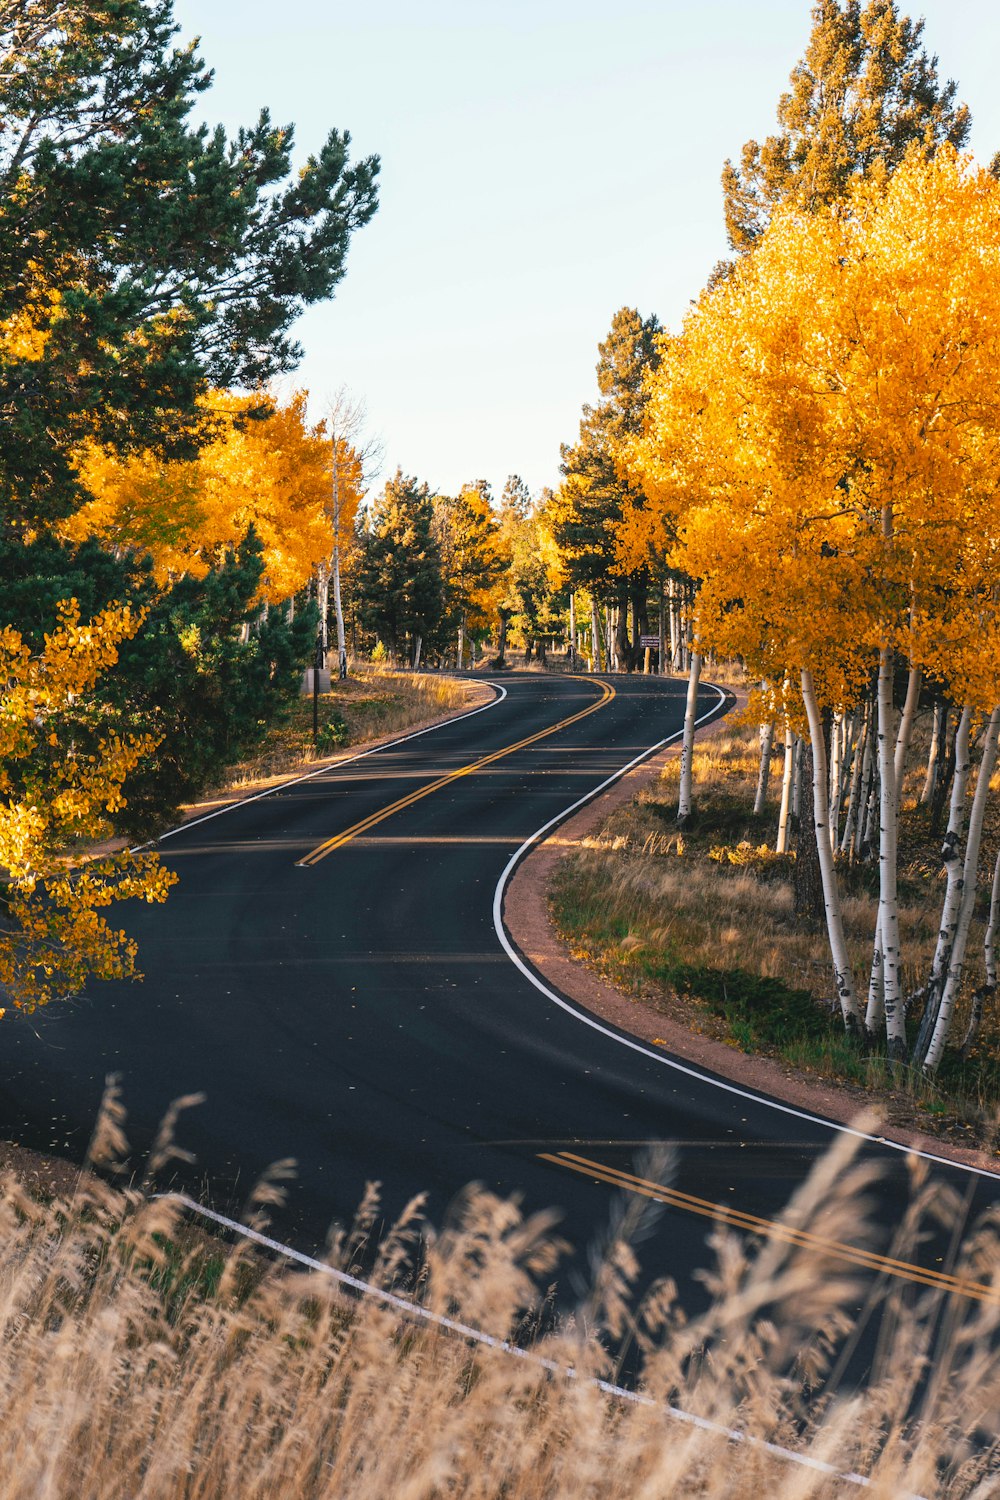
(823, 440)
(265, 467)
(62, 775)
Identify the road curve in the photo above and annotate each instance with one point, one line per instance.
(328, 973)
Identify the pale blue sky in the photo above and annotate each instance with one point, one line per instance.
(542, 165)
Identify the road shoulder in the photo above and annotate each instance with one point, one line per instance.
(526, 914)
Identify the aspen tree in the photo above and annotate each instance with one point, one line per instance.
(824, 443)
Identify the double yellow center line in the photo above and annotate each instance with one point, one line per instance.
(364, 824)
(866, 1259)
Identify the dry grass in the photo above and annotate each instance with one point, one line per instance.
(372, 703)
(662, 912)
(139, 1364)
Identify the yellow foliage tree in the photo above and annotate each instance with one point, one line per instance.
(824, 442)
(61, 775)
(266, 467)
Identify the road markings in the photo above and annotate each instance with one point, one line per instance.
(364, 824)
(418, 1312)
(324, 770)
(868, 1260)
(632, 1043)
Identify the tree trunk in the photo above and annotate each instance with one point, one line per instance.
(950, 854)
(781, 846)
(337, 600)
(944, 777)
(502, 641)
(800, 751)
(843, 976)
(418, 642)
(323, 603)
(461, 643)
(834, 788)
(595, 632)
(861, 757)
(888, 902)
(970, 874)
(572, 630)
(764, 773)
(934, 753)
(905, 734)
(675, 632)
(685, 798)
(809, 900)
(988, 989)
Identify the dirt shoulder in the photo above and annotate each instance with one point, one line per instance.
(678, 1026)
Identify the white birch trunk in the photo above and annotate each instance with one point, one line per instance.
(834, 787)
(934, 753)
(954, 867)
(685, 798)
(857, 765)
(989, 941)
(905, 733)
(595, 632)
(797, 780)
(418, 642)
(990, 965)
(864, 787)
(888, 901)
(323, 601)
(675, 634)
(338, 605)
(970, 872)
(764, 774)
(831, 894)
(461, 643)
(781, 846)
(875, 1007)
(572, 630)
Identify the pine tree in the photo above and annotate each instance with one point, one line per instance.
(595, 492)
(864, 96)
(142, 256)
(398, 575)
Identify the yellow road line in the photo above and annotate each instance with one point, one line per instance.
(737, 1219)
(340, 839)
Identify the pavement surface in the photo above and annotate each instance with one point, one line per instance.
(328, 973)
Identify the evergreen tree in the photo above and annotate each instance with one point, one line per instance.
(192, 676)
(142, 256)
(864, 96)
(398, 574)
(595, 493)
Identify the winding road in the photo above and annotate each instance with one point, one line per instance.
(329, 973)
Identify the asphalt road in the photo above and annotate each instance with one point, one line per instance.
(345, 1001)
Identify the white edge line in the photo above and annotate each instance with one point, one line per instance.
(636, 1046)
(478, 1336)
(501, 693)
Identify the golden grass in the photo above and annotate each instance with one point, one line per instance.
(373, 703)
(140, 1363)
